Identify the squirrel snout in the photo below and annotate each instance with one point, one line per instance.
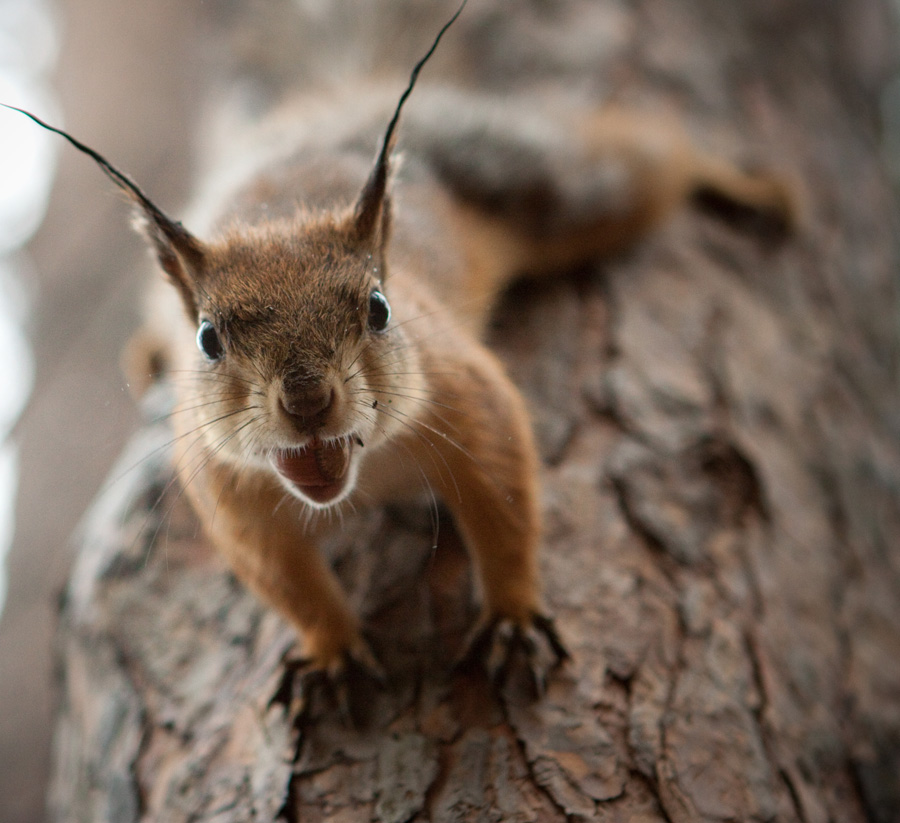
(308, 407)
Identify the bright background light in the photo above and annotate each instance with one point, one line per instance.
(28, 47)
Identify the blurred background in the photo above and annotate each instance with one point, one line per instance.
(121, 76)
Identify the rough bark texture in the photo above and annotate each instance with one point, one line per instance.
(722, 496)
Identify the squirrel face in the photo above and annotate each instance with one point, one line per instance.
(295, 346)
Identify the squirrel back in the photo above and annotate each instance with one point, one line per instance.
(487, 189)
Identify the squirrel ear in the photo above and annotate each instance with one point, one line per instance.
(372, 213)
(371, 216)
(181, 255)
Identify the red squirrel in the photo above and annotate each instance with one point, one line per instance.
(324, 336)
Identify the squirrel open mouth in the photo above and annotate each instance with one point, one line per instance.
(319, 470)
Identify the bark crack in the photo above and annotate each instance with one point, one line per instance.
(539, 785)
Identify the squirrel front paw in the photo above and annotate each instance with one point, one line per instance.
(341, 680)
(499, 644)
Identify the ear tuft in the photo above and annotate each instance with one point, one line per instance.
(371, 213)
(181, 255)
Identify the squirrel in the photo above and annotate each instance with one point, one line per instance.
(325, 339)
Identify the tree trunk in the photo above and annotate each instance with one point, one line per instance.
(718, 420)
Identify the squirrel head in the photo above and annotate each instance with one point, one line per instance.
(297, 365)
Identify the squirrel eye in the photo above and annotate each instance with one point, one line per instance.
(209, 343)
(379, 311)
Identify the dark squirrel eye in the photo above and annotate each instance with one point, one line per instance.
(379, 311)
(209, 343)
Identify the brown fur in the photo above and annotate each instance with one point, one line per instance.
(286, 279)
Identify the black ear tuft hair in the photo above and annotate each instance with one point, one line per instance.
(175, 246)
(372, 203)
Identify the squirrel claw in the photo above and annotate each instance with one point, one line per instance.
(497, 645)
(342, 685)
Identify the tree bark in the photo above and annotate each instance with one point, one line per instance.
(721, 492)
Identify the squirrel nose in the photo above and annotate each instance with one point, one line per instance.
(308, 407)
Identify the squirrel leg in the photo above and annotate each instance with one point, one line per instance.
(264, 543)
(665, 169)
(487, 473)
(635, 171)
(536, 194)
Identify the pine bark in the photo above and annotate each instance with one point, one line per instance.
(718, 424)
